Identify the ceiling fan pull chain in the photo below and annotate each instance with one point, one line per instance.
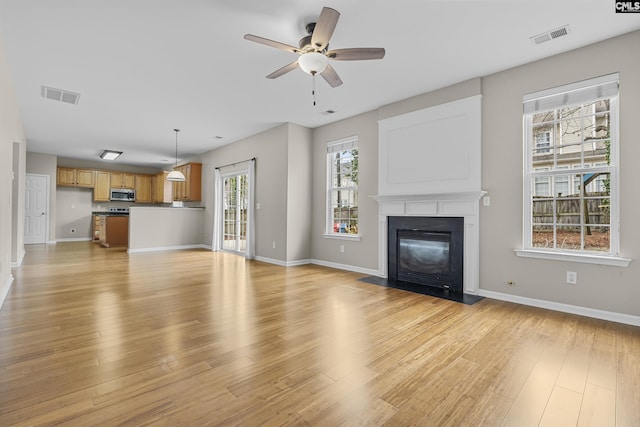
(313, 88)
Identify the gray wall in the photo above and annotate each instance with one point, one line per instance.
(45, 164)
(361, 254)
(18, 202)
(299, 193)
(271, 153)
(11, 132)
(73, 211)
(601, 287)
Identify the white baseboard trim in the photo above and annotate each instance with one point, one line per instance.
(337, 266)
(280, 262)
(298, 262)
(74, 239)
(565, 308)
(367, 271)
(166, 248)
(51, 242)
(5, 289)
(18, 263)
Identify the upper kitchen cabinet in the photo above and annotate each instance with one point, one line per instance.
(161, 189)
(191, 189)
(71, 177)
(123, 180)
(143, 188)
(102, 189)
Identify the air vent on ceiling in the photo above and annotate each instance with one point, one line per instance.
(550, 35)
(60, 95)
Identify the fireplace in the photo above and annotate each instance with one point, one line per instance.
(426, 251)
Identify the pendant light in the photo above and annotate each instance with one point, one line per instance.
(176, 175)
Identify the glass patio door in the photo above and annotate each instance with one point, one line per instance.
(236, 200)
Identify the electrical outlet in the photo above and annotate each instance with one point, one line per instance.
(486, 201)
(341, 248)
(274, 244)
(572, 278)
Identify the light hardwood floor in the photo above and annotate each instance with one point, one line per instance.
(95, 336)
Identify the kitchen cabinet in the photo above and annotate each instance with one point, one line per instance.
(162, 190)
(101, 221)
(113, 230)
(102, 188)
(189, 190)
(122, 180)
(71, 177)
(143, 188)
(95, 223)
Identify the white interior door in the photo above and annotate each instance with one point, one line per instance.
(36, 208)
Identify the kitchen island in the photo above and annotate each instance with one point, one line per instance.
(111, 228)
(160, 229)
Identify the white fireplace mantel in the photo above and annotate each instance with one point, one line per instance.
(462, 204)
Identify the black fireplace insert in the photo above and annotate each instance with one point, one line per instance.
(427, 251)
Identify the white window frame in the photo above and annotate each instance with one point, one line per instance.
(605, 87)
(348, 143)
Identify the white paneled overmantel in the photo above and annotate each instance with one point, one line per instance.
(434, 150)
(430, 166)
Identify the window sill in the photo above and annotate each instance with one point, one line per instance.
(354, 237)
(583, 258)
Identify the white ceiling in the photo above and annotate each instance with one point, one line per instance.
(144, 67)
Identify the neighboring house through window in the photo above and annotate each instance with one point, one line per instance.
(571, 168)
(342, 187)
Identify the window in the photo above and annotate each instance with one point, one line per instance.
(342, 187)
(543, 142)
(571, 169)
(542, 186)
(235, 203)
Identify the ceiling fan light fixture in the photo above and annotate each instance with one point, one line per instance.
(313, 62)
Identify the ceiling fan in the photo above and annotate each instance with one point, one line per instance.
(313, 50)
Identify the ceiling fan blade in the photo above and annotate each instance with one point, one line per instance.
(331, 77)
(271, 43)
(324, 28)
(356, 53)
(284, 70)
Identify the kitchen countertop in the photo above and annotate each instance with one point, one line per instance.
(107, 213)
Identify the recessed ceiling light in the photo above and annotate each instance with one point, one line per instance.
(110, 154)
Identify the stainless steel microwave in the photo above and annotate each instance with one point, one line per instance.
(123, 194)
